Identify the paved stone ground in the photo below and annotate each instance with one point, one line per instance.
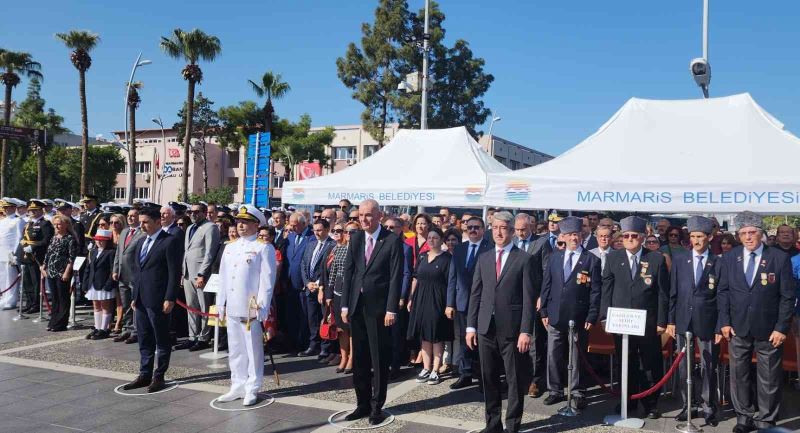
(62, 382)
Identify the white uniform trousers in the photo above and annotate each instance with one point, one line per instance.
(245, 355)
(8, 274)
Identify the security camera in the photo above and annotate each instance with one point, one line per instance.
(403, 86)
(701, 72)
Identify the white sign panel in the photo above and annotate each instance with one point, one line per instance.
(78, 263)
(212, 285)
(626, 321)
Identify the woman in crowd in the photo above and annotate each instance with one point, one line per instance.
(232, 233)
(727, 243)
(333, 279)
(102, 288)
(427, 321)
(452, 237)
(616, 240)
(266, 234)
(651, 242)
(184, 222)
(117, 225)
(673, 241)
(422, 223)
(57, 269)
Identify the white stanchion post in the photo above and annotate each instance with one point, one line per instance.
(40, 319)
(688, 427)
(20, 316)
(568, 410)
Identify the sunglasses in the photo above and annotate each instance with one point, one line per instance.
(561, 244)
(630, 236)
(350, 232)
(473, 228)
(353, 219)
(194, 211)
(338, 231)
(390, 228)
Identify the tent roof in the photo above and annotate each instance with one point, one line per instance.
(717, 145)
(434, 167)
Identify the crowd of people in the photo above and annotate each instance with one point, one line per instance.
(371, 293)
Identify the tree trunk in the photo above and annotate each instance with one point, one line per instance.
(269, 111)
(4, 148)
(187, 140)
(384, 113)
(204, 157)
(131, 154)
(85, 135)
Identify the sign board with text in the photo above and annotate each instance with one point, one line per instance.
(626, 321)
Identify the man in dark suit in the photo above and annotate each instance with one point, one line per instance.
(638, 279)
(570, 292)
(462, 269)
(313, 260)
(154, 289)
(373, 273)
(400, 328)
(539, 248)
(756, 301)
(589, 239)
(504, 283)
(124, 268)
(300, 235)
(693, 308)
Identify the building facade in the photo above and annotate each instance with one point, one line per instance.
(513, 155)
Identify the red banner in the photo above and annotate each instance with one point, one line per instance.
(309, 170)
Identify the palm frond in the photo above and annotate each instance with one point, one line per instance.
(258, 90)
(191, 46)
(79, 39)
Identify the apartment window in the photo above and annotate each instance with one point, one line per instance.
(124, 168)
(233, 182)
(343, 153)
(142, 167)
(142, 192)
(119, 193)
(277, 181)
(370, 150)
(233, 159)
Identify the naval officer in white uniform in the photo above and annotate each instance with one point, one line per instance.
(247, 277)
(11, 228)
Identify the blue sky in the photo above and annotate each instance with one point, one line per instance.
(561, 68)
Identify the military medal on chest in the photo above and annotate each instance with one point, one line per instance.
(711, 282)
(583, 278)
(771, 278)
(763, 278)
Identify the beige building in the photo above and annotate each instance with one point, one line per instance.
(513, 155)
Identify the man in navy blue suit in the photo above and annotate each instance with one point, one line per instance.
(462, 268)
(693, 308)
(400, 327)
(570, 292)
(300, 235)
(314, 257)
(756, 300)
(155, 286)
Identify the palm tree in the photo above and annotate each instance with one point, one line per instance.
(133, 103)
(191, 47)
(272, 87)
(14, 64)
(81, 42)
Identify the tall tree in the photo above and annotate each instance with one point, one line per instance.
(296, 143)
(271, 86)
(81, 42)
(191, 47)
(205, 123)
(14, 64)
(238, 122)
(372, 70)
(31, 114)
(133, 103)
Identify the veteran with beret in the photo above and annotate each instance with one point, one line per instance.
(247, 278)
(694, 278)
(570, 292)
(756, 300)
(636, 278)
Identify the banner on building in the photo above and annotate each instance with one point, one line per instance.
(309, 170)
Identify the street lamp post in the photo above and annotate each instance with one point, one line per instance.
(425, 37)
(160, 176)
(136, 64)
(491, 139)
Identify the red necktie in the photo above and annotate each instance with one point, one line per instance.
(498, 267)
(128, 238)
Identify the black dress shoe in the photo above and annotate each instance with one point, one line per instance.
(100, 335)
(462, 382)
(681, 416)
(348, 371)
(711, 420)
(652, 413)
(132, 339)
(310, 352)
(122, 337)
(91, 334)
(185, 345)
(200, 345)
(357, 414)
(376, 417)
(742, 428)
(61, 329)
(157, 385)
(553, 399)
(579, 402)
(139, 382)
(339, 370)
(395, 374)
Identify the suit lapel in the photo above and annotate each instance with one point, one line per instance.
(581, 260)
(512, 255)
(161, 234)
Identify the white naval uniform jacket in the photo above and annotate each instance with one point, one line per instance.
(247, 269)
(11, 232)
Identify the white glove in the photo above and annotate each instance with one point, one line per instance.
(90, 246)
(262, 313)
(28, 249)
(221, 312)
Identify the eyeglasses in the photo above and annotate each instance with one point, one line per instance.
(630, 236)
(473, 228)
(603, 236)
(561, 244)
(337, 231)
(391, 228)
(353, 219)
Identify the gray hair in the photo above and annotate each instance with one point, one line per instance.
(169, 210)
(521, 216)
(504, 216)
(299, 216)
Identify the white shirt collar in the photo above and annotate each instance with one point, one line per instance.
(758, 251)
(638, 254)
(506, 249)
(374, 235)
(577, 251)
(704, 255)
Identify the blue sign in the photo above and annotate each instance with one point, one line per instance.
(256, 184)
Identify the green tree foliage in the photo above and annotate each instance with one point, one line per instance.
(205, 123)
(238, 122)
(294, 143)
(219, 195)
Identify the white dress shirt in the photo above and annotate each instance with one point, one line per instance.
(638, 257)
(578, 251)
(695, 259)
(601, 254)
(746, 260)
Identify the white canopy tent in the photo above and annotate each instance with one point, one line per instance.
(696, 156)
(434, 167)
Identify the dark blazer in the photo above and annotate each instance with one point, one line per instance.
(694, 308)
(512, 296)
(294, 257)
(766, 306)
(377, 282)
(156, 278)
(309, 274)
(619, 290)
(408, 271)
(542, 249)
(100, 269)
(458, 293)
(590, 242)
(563, 301)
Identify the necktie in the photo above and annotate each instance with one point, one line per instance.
(128, 238)
(192, 230)
(523, 244)
(471, 258)
(315, 257)
(498, 267)
(552, 242)
(751, 269)
(370, 246)
(145, 248)
(698, 273)
(568, 266)
(634, 266)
